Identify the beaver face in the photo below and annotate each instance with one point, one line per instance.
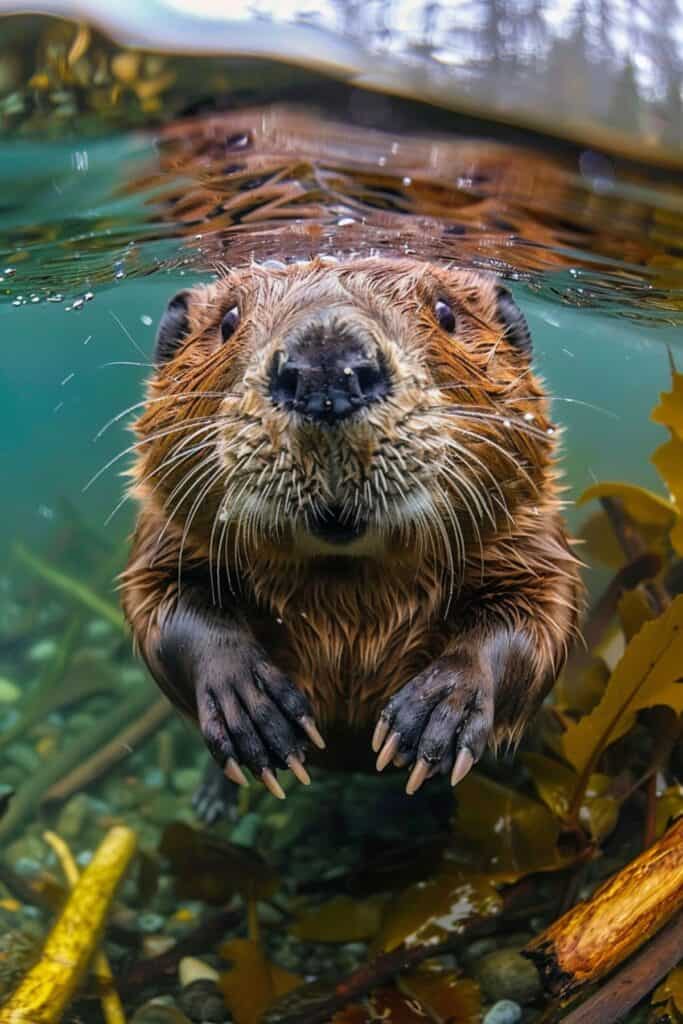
(358, 408)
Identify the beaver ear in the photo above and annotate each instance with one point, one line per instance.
(517, 331)
(174, 327)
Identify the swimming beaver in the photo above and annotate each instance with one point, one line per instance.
(349, 518)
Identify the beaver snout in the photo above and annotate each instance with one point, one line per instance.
(328, 371)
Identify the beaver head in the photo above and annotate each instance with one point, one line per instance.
(355, 409)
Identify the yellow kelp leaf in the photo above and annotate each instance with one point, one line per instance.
(503, 831)
(634, 611)
(448, 996)
(669, 806)
(671, 991)
(599, 543)
(341, 920)
(650, 672)
(431, 911)
(253, 983)
(642, 505)
(556, 784)
(669, 412)
(668, 460)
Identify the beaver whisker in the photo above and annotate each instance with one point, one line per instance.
(213, 479)
(169, 464)
(469, 456)
(161, 398)
(458, 479)
(482, 439)
(482, 413)
(202, 466)
(563, 398)
(484, 507)
(460, 546)
(130, 449)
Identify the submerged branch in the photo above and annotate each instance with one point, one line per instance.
(595, 936)
(44, 993)
(634, 980)
(28, 796)
(112, 1009)
(73, 588)
(108, 756)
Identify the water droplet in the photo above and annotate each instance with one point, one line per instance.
(119, 274)
(506, 423)
(550, 431)
(529, 417)
(58, 297)
(345, 222)
(78, 303)
(69, 376)
(9, 271)
(382, 161)
(146, 320)
(407, 181)
(89, 296)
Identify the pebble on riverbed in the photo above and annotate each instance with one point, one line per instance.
(505, 1011)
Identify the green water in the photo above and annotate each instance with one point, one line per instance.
(92, 244)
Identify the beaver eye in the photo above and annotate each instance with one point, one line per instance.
(229, 323)
(445, 316)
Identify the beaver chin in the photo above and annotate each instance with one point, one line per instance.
(331, 527)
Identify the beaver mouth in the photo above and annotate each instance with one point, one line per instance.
(333, 528)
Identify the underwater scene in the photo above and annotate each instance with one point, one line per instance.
(341, 394)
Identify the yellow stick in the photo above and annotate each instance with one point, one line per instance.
(595, 936)
(45, 992)
(109, 997)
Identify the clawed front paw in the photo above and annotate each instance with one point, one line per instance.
(251, 714)
(439, 722)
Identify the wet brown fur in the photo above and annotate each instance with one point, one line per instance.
(464, 441)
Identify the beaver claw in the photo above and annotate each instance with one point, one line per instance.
(438, 722)
(251, 714)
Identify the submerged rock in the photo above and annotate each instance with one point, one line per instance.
(506, 975)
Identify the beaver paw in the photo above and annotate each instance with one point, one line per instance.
(251, 714)
(439, 722)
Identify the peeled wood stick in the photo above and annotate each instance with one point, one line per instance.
(28, 796)
(596, 935)
(46, 990)
(634, 980)
(112, 752)
(112, 1010)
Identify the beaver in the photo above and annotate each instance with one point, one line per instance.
(350, 518)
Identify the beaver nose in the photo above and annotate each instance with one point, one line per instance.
(328, 383)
